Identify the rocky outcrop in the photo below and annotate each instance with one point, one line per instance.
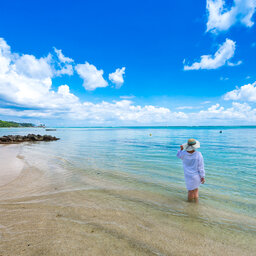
(30, 137)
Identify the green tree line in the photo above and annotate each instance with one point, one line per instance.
(14, 124)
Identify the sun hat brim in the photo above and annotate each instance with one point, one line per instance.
(191, 147)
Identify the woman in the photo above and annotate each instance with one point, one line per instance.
(193, 165)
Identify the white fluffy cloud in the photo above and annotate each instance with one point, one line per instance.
(238, 112)
(61, 57)
(221, 17)
(26, 113)
(124, 112)
(246, 93)
(63, 66)
(29, 66)
(233, 64)
(103, 113)
(220, 58)
(127, 113)
(66, 69)
(117, 77)
(26, 82)
(93, 78)
(188, 107)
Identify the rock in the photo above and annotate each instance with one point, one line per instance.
(4, 139)
(39, 137)
(47, 137)
(19, 138)
(30, 137)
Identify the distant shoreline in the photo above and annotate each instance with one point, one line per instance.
(22, 127)
(151, 127)
(145, 127)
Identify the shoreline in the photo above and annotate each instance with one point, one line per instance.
(45, 213)
(11, 164)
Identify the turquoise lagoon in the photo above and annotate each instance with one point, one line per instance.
(144, 159)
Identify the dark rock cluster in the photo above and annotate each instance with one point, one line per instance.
(30, 137)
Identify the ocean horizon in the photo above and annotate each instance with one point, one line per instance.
(153, 126)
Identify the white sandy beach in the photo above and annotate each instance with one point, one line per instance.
(10, 164)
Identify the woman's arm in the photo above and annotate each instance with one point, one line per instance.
(201, 168)
(180, 153)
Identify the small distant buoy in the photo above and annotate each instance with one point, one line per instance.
(150, 134)
(220, 131)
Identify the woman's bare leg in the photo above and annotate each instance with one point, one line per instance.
(193, 195)
(190, 195)
(196, 195)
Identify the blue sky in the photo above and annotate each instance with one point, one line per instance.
(57, 57)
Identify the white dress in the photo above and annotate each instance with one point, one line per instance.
(193, 165)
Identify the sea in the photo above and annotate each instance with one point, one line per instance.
(143, 160)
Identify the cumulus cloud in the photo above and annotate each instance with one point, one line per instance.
(66, 70)
(62, 65)
(93, 78)
(26, 81)
(26, 91)
(125, 111)
(61, 56)
(117, 77)
(238, 112)
(26, 113)
(28, 66)
(246, 93)
(220, 58)
(188, 107)
(234, 63)
(221, 17)
(121, 112)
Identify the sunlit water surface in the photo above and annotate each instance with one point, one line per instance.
(144, 159)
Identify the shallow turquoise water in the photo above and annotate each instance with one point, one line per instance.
(134, 159)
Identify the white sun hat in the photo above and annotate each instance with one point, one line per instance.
(191, 144)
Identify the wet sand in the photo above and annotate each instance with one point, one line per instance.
(44, 216)
(11, 165)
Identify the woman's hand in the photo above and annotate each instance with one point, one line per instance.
(202, 180)
(181, 147)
